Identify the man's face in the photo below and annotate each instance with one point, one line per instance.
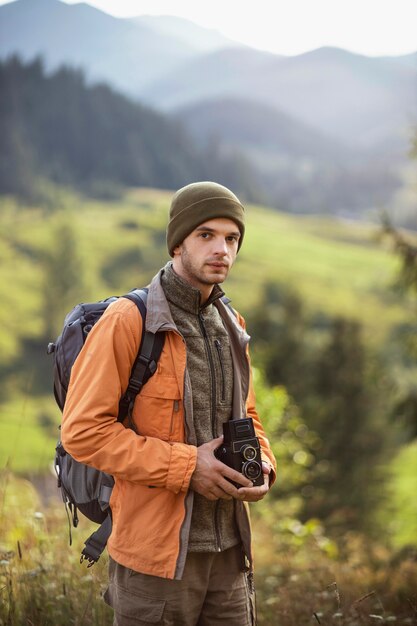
(207, 254)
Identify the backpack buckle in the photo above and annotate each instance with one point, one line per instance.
(85, 557)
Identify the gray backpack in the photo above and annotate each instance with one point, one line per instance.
(85, 488)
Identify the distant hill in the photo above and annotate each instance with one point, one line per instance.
(197, 37)
(366, 102)
(257, 128)
(124, 52)
(409, 60)
(300, 168)
(214, 75)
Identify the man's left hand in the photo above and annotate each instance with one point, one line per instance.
(253, 494)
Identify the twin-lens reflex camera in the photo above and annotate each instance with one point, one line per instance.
(241, 450)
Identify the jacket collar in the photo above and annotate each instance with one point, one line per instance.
(158, 314)
(182, 294)
(159, 317)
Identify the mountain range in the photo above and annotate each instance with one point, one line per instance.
(127, 53)
(327, 108)
(365, 102)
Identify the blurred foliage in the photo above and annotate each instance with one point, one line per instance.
(333, 377)
(28, 433)
(63, 273)
(292, 443)
(406, 249)
(343, 404)
(402, 481)
(41, 581)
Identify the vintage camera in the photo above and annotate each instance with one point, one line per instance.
(241, 450)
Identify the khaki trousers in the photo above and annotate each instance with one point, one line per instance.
(213, 591)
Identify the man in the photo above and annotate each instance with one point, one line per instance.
(179, 550)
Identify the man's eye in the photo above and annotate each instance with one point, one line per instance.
(205, 235)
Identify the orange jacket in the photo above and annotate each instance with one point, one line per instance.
(151, 501)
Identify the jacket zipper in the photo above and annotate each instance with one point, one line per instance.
(213, 415)
(223, 399)
(219, 352)
(213, 376)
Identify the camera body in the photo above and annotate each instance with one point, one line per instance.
(241, 450)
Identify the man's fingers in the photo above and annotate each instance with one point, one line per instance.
(228, 488)
(228, 472)
(223, 488)
(253, 494)
(217, 492)
(266, 468)
(214, 443)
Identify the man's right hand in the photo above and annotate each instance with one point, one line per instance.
(209, 477)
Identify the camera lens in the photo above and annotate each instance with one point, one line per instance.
(251, 469)
(249, 453)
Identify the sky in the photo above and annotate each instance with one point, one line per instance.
(370, 27)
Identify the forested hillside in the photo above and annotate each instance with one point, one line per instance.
(57, 128)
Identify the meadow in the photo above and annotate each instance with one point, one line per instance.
(299, 578)
(80, 249)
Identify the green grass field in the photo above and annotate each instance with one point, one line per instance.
(401, 509)
(337, 267)
(28, 434)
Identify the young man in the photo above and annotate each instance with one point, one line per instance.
(180, 549)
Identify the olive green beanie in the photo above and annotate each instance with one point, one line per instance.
(197, 203)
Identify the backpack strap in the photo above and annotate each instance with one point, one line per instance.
(95, 544)
(146, 362)
(226, 301)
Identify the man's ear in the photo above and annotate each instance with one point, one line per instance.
(177, 250)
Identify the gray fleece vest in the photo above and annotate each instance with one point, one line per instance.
(210, 366)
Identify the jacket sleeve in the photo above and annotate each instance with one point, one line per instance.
(90, 430)
(266, 452)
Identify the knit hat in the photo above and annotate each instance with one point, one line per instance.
(197, 203)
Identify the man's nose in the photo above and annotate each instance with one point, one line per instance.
(220, 246)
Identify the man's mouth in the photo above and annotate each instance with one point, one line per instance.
(218, 265)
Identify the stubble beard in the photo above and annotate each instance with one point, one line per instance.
(197, 274)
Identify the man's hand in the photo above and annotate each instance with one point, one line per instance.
(209, 477)
(253, 494)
